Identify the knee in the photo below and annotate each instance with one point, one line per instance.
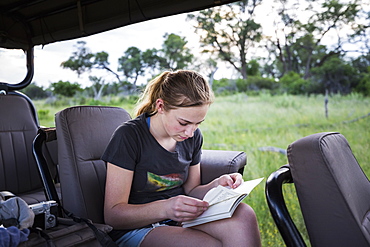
(245, 214)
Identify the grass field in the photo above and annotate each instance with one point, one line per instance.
(252, 123)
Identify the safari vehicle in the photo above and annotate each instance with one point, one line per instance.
(61, 165)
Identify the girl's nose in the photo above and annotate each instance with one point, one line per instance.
(189, 131)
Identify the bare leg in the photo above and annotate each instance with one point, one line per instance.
(179, 237)
(240, 230)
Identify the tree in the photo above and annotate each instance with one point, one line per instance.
(152, 61)
(97, 86)
(80, 61)
(363, 85)
(132, 64)
(83, 60)
(300, 41)
(101, 62)
(210, 65)
(229, 32)
(336, 75)
(362, 65)
(65, 88)
(35, 92)
(253, 68)
(174, 53)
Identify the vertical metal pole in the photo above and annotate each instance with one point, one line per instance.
(326, 103)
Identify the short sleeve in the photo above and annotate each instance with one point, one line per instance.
(122, 149)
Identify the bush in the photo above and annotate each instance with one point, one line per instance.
(336, 75)
(256, 83)
(363, 86)
(293, 83)
(65, 88)
(224, 86)
(43, 114)
(35, 92)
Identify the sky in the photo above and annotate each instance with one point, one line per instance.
(47, 59)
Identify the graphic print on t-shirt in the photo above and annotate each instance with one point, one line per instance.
(163, 182)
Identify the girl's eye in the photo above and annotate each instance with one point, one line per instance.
(183, 124)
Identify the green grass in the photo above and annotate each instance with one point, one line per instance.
(249, 123)
(245, 123)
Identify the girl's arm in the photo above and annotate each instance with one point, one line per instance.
(122, 215)
(194, 188)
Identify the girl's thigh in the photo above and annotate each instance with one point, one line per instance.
(178, 236)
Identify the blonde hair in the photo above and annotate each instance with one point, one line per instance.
(182, 88)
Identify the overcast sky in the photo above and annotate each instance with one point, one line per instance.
(143, 35)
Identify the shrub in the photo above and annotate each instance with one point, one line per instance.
(65, 88)
(256, 83)
(224, 86)
(363, 86)
(43, 114)
(35, 92)
(293, 83)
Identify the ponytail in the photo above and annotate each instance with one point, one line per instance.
(152, 92)
(183, 88)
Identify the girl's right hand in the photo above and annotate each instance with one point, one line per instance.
(182, 208)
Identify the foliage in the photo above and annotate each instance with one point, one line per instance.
(336, 75)
(43, 114)
(293, 83)
(65, 88)
(362, 66)
(224, 86)
(256, 83)
(131, 64)
(174, 52)
(363, 86)
(319, 46)
(83, 60)
(299, 59)
(97, 86)
(35, 92)
(253, 68)
(229, 31)
(302, 47)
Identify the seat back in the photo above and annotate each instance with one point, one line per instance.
(83, 133)
(215, 163)
(18, 128)
(333, 191)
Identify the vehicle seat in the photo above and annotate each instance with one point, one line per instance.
(83, 133)
(18, 128)
(332, 189)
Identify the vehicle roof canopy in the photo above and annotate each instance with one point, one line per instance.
(27, 23)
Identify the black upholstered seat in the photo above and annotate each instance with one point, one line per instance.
(333, 192)
(19, 173)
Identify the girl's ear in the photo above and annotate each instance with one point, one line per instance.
(159, 104)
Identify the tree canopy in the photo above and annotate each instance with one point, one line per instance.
(316, 45)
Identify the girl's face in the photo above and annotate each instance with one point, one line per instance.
(180, 123)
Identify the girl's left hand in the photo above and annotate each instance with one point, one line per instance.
(232, 180)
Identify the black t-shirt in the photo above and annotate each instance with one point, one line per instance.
(158, 173)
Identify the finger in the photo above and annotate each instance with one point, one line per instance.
(188, 212)
(230, 182)
(195, 202)
(237, 180)
(190, 205)
(192, 211)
